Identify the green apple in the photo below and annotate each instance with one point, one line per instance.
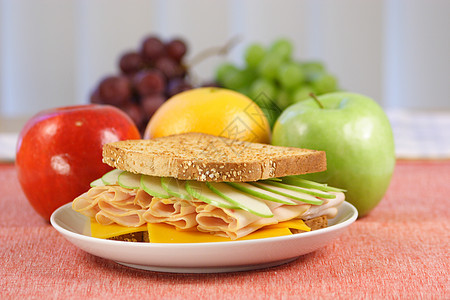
(129, 180)
(175, 188)
(357, 137)
(293, 187)
(112, 177)
(97, 182)
(153, 186)
(241, 200)
(258, 192)
(292, 194)
(200, 190)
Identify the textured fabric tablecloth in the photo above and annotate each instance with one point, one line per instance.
(401, 250)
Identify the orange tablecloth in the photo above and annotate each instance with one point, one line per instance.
(401, 250)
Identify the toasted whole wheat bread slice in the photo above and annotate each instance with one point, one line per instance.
(203, 157)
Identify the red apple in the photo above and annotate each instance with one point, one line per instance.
(59, 152)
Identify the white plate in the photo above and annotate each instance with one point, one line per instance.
(201, 257)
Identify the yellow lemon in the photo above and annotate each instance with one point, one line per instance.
(211, 110)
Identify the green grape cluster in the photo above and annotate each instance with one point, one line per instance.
(274, 79)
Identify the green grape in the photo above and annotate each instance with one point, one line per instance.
(326, 83)
(232, 80)
(223, 70)
(245, 90)
(263, 92)
(301, 93)
(263, 88)
(268, 68)
(270, 109)
(283, 99)
(254, 54)
(290, 75)
(313, 66)
(312, 70)
(283, 47)
(237, 79)
(272, 113)
(250, 76)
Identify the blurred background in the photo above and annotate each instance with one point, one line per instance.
(54, 53)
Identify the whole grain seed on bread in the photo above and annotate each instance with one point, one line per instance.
(204, 157)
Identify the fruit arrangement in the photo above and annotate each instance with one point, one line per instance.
(274, 79)
(148, 77)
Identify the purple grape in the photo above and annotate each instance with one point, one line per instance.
(115, 90)
(176, 49)
(135, 112)
(131, 62)
(149, 82)
(177, 85)
(95, 97)
(152, 48)
(169, 67)
(151, 103)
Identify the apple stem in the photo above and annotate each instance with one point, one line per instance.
(312, 95)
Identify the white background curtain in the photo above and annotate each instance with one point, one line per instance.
(54, 52)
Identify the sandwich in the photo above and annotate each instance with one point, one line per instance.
(195, 187)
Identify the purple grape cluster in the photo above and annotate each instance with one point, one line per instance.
(148, 77)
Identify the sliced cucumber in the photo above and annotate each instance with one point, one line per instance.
(201, 191)
(97, 182)
(244, 201)
(152, 185)
(112, 177)
(129, 180)
(300, 182)
(261, 193)
(175, 187)
(296, 195)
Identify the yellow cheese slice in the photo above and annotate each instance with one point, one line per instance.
(163, 233)
(292, 224)
(109, 231)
